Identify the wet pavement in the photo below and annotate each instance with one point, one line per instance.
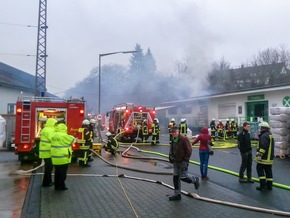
(99, 192)
(13, 188)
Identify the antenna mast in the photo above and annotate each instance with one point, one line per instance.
(40, 74)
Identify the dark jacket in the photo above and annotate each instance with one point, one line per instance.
(181, 150)
(265, 148)
(244, 141)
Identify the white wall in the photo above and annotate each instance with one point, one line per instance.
(8, 95)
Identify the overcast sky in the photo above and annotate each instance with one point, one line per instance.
(79, 30)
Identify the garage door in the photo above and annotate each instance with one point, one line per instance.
(226, 110)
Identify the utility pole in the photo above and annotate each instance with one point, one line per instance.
(40, 74)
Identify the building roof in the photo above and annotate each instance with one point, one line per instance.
(14, 78)
(226, 94)
(11, 77)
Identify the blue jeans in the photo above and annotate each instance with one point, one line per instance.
(203, 156)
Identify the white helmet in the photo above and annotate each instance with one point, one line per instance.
(181, 120)
(232, 119)
(108, 134)
(157, 120)
(86, 122)
(173, 120)
(227, 119)
(264, 125)
(184, 119)
(220, 120)
(144, 120)
(213, 119)
(93, 121)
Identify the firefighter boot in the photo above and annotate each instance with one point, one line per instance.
(176, 196)
(263, 185)
(269, 185)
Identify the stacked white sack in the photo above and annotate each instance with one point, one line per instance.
(280, 128)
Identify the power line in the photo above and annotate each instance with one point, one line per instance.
(16, 24)
(14, 54)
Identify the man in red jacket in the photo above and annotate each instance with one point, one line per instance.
(179, 155)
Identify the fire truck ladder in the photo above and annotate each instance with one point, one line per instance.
(25, 121)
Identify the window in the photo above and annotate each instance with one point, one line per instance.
(11, 108)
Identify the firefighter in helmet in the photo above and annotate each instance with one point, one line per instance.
(92, 134)
(112, 144)
(183, 127)
(145, 132)
(234, 126)
(170, 125)
(228, 128)
(220, 129)
(86, 143)
(213, 129)
(264, 157)
(155, 132)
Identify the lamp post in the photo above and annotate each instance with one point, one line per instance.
(100, 68)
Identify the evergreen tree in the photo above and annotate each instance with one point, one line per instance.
(149, 63)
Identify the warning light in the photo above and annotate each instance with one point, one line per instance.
(82, 111)
(74, 145)
(127, 128)
(127, 111)
(19, 110)
(153, 112)
(25, 146)
(141, 111)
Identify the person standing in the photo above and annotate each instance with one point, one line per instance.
(264, 157)
(170, 126)
(204, 152)
(44, 150)
(85, 144)
(220, 129)
(145, 132)
(213, 129)
(183, 127)
(179, 155)
(155, 132)
(245, 147)
(61, 154)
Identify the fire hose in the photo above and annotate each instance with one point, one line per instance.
(193, 195)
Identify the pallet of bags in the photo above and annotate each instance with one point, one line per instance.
(279, 110)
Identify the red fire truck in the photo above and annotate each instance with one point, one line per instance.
(127, 117)
(31, 115)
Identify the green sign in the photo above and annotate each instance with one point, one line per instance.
(256, 97)
(286, 101)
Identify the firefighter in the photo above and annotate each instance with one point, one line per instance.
(61, 154)
(86, 143)
(213, 129)
(264, 157)
(227, 129)
(112, 144)
(170, 125)
(145, 132)
(234, 126)
(183, 127)
(155, 132)
(220, 129)
(92, 127)
(92, 134)
(44, 150)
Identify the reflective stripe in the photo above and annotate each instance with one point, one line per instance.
(60, 146)
(45, 141)
(64, 156)
(262, 177)
(44, 150)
